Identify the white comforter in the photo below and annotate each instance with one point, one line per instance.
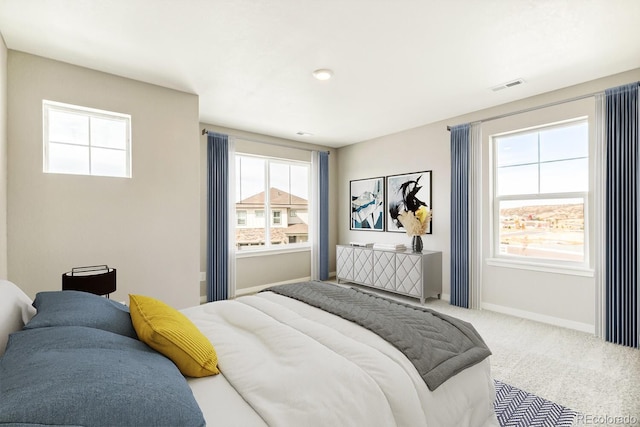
(296, 365)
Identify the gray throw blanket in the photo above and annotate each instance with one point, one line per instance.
(439, 346)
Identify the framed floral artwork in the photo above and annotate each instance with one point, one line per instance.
(409, 193)
(367, 204)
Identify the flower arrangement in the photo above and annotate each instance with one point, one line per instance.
(415, 222)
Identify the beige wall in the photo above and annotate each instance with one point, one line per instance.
(570, 297)
(3, 159)
(256, 271)
(559, 298)
(147, 226)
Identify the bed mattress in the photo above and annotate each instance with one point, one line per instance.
(285, 363)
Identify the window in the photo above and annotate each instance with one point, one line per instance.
(85, 141)
(241, 217)
(276, 218)
(273, 188)
(541, 184)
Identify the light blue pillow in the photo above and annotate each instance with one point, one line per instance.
(75, 308)
(89, 377)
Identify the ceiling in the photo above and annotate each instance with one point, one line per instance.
(397, 64)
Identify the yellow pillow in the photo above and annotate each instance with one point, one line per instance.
(171, 333)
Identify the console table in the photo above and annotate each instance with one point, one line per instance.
(414, 274)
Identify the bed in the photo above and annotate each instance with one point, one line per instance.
(282, 362)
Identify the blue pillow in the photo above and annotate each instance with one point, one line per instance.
(89, 377)
(75, 308)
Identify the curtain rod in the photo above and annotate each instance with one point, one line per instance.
(279, 144)
(539, 107)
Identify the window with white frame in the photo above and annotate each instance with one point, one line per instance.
(85, 141)
(276, 217)
(271, 188)
(241, 217)
(541, 187)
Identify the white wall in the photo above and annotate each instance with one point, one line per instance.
(3, 159)
(551, 297)
(147, 227)
(256, 271)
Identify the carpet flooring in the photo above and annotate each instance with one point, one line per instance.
(597, 379)
(574, 369)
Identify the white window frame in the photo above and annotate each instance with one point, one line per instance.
(279, 217)
(542, 264)
(241, 218)
(268, 248)
(48, 106)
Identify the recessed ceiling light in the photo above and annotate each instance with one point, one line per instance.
(323, 74)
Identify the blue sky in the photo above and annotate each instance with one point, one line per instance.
(550, 160)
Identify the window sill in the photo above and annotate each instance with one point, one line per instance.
(542, 267)
(273, 251)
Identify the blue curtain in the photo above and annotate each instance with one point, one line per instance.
(217, 216)
(621, 215)
(460, 215)
(323, 247)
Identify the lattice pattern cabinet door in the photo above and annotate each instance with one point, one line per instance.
(363, 266)
(409, 274)
(344, 262)
(384, 270)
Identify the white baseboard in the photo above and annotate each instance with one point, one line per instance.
(256, 289)
(542, 318)
(556, 321)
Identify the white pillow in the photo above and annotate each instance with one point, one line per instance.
(15, 311)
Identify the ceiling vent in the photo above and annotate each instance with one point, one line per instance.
(507, 85)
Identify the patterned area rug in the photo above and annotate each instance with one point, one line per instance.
(517, 408)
